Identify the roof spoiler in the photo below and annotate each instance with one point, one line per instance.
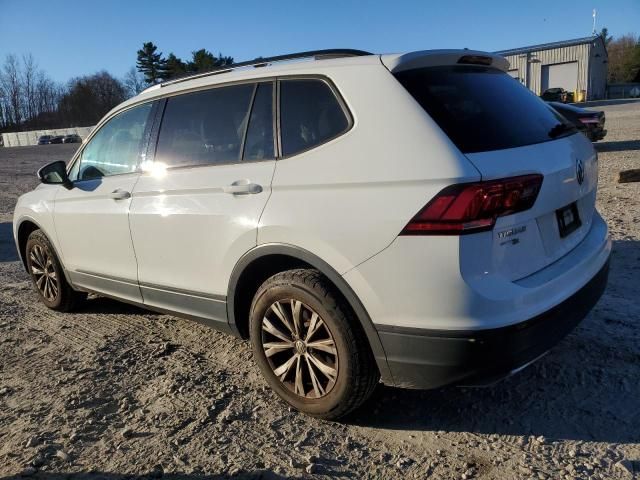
(434, 58)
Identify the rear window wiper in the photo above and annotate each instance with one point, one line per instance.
(560, 129)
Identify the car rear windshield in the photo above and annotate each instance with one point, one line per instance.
(482, 108)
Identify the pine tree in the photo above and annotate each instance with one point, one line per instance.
(175, 67)
(202, 61)
(151, 64)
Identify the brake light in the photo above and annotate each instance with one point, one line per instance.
(475, 60)
(474, 207)
(586, 120)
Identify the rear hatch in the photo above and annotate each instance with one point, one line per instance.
(507, 131)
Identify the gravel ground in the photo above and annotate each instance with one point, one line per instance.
(117, 392)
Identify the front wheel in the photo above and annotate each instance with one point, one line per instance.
(48, 276)
(308, 345)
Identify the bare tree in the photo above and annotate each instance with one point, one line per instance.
(133, 82)
(10, 82)
(624, 58)
(28, 80)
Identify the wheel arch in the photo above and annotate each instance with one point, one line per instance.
(25, 228)
(261, 262)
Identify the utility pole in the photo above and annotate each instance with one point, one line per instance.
(593, 32)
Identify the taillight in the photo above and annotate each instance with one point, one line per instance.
(587, 120)
(474, 207)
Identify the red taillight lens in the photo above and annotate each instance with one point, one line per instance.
(474, 207)
(587, 120)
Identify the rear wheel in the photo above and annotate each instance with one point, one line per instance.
(48, 276)
(309, 348)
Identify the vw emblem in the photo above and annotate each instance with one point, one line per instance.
(579, 171)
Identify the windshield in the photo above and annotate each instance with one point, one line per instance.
(482, 108)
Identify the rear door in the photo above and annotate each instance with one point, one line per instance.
(195, 208)
(506, 131)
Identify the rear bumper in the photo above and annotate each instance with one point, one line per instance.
(421, 358)
(596, 133)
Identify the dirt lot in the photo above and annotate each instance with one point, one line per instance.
(114, 391)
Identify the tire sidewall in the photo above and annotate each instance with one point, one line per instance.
(333, 318)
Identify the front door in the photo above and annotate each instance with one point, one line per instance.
(195, 211)
(92, 218)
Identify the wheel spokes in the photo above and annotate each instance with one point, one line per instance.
(299, 348)
(317, 387)
(280, 313)
(328, 371)
(269, 327)
(283, 369)
(296, 306)
(271, 348)
(44, 272)
(299, 387)
(327, 345)
(314, 324)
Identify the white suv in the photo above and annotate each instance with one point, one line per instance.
(421, 218)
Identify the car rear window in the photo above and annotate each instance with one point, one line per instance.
(482, 108)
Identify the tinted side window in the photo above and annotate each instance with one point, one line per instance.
(259, 142)
(204, 127)
(309, 115)
(116, 147)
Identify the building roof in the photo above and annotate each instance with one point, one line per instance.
(548, 46)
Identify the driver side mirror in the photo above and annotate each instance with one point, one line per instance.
(55, 173)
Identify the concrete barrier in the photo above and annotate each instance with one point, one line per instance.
(21, 139)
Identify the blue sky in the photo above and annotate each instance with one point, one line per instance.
(73, 38)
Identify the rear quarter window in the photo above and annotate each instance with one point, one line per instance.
(482, 108)
(310, 114)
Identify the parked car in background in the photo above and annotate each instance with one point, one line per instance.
(557, 95)
(368, 231)
(72, 138)
(56, 140)
(44, 139)
(589, 122)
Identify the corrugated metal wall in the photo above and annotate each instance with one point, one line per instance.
(576, 53)
(21, 139)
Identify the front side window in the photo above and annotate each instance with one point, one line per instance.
(310, 114)
(204, 127)
(115, 148)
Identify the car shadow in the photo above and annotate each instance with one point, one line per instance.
(617, 146)
(94, 475)
(586, 388)
(8, 252)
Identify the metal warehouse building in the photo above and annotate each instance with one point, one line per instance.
(578, 65)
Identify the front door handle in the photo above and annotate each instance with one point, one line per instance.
(242, 187)
(119, 194)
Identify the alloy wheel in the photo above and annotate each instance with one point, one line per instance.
(300, 348)
(44, 272)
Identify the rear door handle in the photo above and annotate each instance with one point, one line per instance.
(119, 194)
(242, 187)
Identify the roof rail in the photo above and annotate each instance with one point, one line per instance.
(262, 62)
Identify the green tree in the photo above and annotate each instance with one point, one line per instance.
(203, 61)
(151, 64)
(175, 67)
(606, 38)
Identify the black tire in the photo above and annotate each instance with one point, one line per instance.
(58, 294)
(357, 374)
